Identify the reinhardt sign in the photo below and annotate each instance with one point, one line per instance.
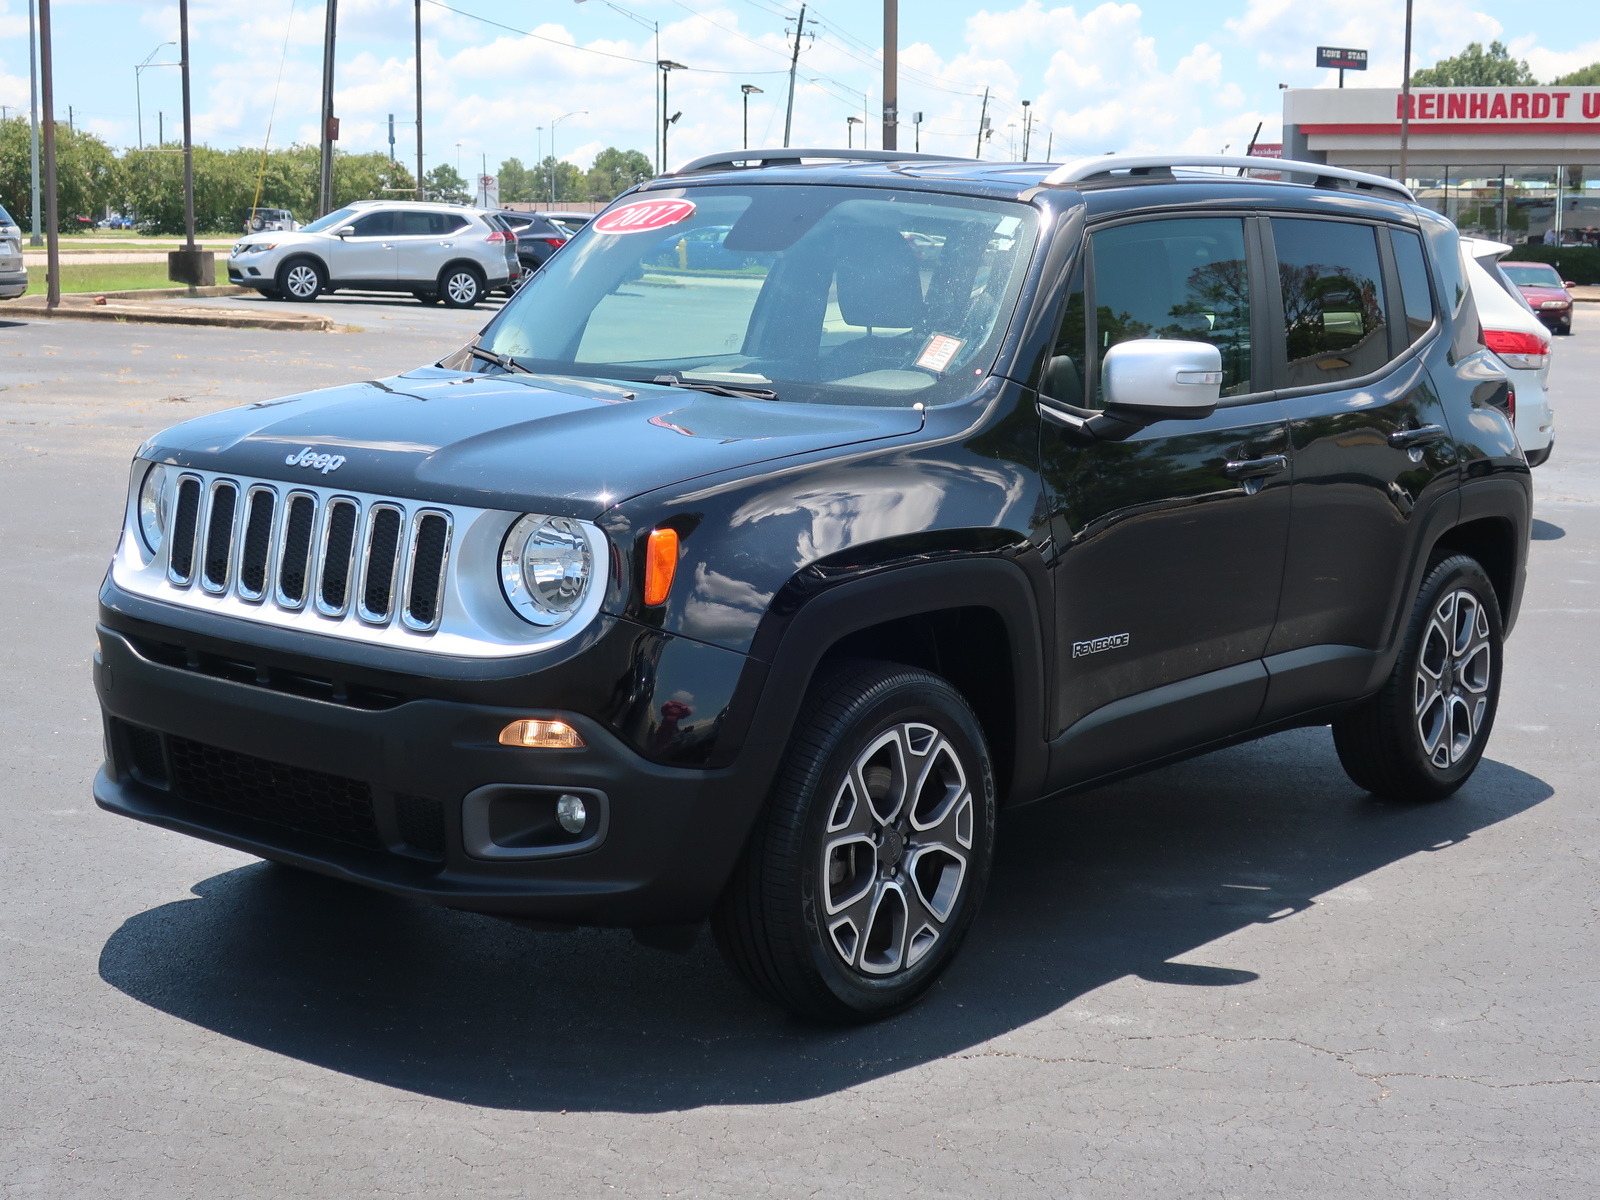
(1445, 110)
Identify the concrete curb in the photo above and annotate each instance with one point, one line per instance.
(225, 318)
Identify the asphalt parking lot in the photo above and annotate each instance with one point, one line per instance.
(1236, 977)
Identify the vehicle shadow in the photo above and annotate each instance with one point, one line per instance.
(1121, 881)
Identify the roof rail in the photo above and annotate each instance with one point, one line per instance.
(790, 157)
(1085, 170)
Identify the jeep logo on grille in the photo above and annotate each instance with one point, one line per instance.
(1115, 641)
(317, 462)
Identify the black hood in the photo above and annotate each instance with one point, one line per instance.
(566, 446)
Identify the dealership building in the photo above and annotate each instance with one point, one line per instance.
(1513, 163)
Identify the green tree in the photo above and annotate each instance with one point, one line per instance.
(87, 174)
(615, 171)
(444, 183)
(1586, 77)
(516, 181)
(1474, 67)
(568, 180)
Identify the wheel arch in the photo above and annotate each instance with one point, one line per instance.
(974, 621)
(295, 256)
(1492, 542)
(455, 263)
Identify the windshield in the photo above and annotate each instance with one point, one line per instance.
(830, 295)
(1531, 274)
(337, 217)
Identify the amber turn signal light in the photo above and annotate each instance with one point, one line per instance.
(541, 735)
(660, 565)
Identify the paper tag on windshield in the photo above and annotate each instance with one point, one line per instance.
(936, 355)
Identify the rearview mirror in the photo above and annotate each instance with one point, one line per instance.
(1153, 379)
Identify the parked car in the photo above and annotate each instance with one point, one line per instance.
(1545, 291)
(704, 249)
(434, 251)
(117, 221)
(1517, 337)
(13, 275)
(570, 221)
(761, 598)
(538, 237)
(269, 220)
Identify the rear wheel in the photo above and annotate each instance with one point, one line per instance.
(1421, 737)
(301, 279)
(871, 858)
(461, 287)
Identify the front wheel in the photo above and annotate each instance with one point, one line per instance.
(301, 279)
(871, 858)
(1421, 737)
(460, 287)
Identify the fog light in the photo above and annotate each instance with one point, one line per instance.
(571, 815)
(541, 735)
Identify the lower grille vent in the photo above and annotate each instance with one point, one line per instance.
(308, 801)
(421, 824)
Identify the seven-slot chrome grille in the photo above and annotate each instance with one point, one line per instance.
(406, 573)
(287, 546)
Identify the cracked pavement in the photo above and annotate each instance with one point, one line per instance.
(1235, 977)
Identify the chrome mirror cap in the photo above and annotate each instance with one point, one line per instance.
(1155, 379)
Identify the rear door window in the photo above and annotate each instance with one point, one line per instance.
(1333, 300)
(443, 223)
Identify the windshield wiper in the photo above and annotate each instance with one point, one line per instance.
(499, 360)
(735, 391)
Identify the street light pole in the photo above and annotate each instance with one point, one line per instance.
(1027, 126)
(325, 198)
(891, 75)
(1405, 100)
(33, 118)
(188, 140)
(667, 67)
(749, 89)
(421, 191)
(52, 236)
(582, 112)
(850, 124)
(138, 94)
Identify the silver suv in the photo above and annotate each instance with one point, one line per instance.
(13, 275)
(434, 251)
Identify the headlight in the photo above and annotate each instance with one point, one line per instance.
(545, 568)
(153, 507)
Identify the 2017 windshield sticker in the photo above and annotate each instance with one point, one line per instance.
(644, 216)
(936, 355)
(1115, 641)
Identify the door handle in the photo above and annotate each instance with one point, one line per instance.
(1405, 439)
(1255, 468)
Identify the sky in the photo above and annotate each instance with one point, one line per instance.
(1157, 75)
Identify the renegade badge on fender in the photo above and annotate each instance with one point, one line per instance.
(756, 589)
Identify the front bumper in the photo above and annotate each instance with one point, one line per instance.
(348, 788)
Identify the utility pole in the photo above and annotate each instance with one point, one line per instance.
(983, 123)
(749, 89)
(1027, 126)
(667, 67)
(421, 191)
(188, 142)
(1049, 145)
(52, 236)
(391, 137)
(330, 129)
(794, 62)
(1405, 101)
(891, 75)
(33, 117)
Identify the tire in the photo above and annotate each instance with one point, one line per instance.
(1421, 737)
(301, 279)
(833, 911)
(427, 297)
(461, 286)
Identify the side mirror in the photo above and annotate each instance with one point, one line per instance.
(343, 232)
(1152, 379)
(1567, 283)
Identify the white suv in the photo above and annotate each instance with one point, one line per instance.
(434, 251)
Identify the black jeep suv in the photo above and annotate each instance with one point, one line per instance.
(756, 590)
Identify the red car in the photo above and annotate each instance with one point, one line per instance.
(1545, 291)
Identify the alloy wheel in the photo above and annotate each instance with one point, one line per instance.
(1454, 672)
(462, 287)
(895, 850)
(301, 281)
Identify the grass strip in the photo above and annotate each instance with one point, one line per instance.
(103, 277)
